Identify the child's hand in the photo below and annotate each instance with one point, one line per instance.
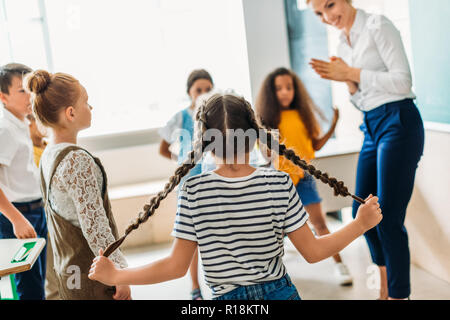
(103, 270)
(369, 214)
(122, 293)
(23, 229)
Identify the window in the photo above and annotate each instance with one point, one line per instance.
(308, 39)
(133, 57)
(23, 32)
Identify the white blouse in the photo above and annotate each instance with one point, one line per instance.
(76, 195)
(376, 48)
(19, 176)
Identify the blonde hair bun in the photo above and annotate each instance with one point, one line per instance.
(38, 81)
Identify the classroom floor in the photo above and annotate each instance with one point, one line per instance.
(313, 281)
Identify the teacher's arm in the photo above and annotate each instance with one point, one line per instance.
(396, 80)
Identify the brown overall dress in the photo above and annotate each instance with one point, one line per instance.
(71, 252)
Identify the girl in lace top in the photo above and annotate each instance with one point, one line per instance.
(74, 185)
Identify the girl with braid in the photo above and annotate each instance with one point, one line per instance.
(237, 215)
(283, 103)
(74, 186)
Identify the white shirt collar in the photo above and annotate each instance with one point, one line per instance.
(357, 27)
(12, 118)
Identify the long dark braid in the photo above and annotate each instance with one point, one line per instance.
(149, 209)
(196, 154)
(268, 139)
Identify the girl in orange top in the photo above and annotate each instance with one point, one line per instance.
(284, 104)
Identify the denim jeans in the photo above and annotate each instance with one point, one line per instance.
(307, 190)
(281, 289)
(30, 284)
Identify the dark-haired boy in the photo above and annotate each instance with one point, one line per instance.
(21, 211)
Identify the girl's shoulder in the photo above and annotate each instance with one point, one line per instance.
(76, 159)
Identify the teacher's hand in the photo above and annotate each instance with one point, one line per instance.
(336, 69)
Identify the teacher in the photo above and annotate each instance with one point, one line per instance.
(373, 63)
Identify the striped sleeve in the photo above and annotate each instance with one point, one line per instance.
(296, 215)
(184, 225)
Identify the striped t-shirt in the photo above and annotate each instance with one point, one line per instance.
(239, 225)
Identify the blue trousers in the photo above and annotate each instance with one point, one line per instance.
(393, 145)
(281, 289)
(30, 284)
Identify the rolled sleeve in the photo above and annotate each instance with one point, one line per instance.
(356, 99)
(368, 79)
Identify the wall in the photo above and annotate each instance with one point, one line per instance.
(427, 220)
(267, 43)
(431, 62)
(131, 165)
(308, 39)
(267, 47)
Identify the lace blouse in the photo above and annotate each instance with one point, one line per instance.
(76, 195)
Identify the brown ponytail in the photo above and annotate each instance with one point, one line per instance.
(51, 93)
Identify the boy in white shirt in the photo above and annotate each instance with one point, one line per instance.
(21, 211)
